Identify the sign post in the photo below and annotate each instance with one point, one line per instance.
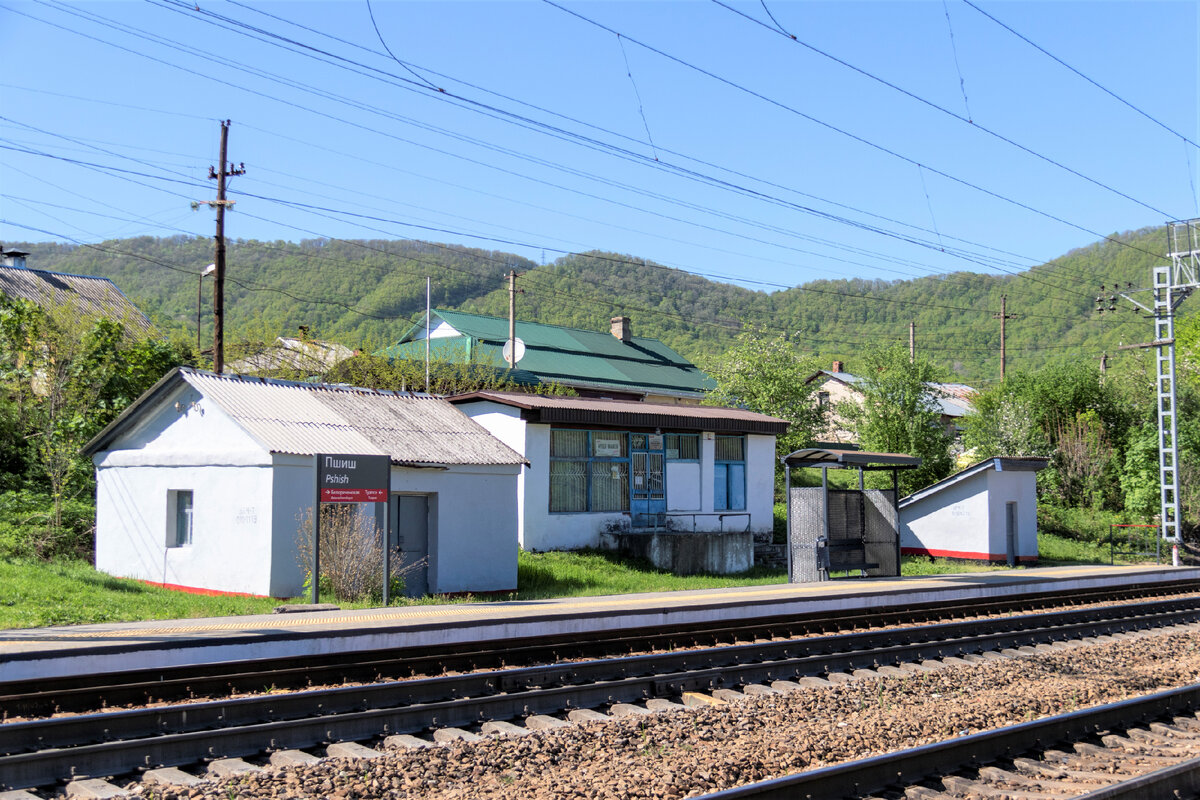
(349, 478)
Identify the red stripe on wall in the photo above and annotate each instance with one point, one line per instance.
(920, 551)
(175, 587)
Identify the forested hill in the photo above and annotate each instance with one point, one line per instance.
(367, 293)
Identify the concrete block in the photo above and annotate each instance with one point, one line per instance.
(352, 750)
(728, 695)
(933, 664)
(18, 794)
(864, 674)
(663, 704)
(542, 722)
(628, 710)
(497, 727)
(581, 715)
(839, 678)
(785, 687)
(170, 776)
(447, 735)
(758, 690)
(404, 741)
(293, 758)
(888, 671)
(699, 699)
(955, 661)
(913, 669)
(93, 789)
(225, 767)
(993, 655)
(813, 682)
(974, 658)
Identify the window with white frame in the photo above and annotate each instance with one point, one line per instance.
(729, 474)
(180, 512)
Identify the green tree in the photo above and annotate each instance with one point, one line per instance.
(900, 414)
(771, 377)
(65, 377)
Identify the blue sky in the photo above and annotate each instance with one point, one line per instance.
(696, 134)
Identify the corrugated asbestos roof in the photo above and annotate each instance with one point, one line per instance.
(998, 463)
(563, 355)
(89, 296)
(302, 419)
(631, 414)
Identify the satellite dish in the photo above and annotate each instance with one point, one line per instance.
(512, 354)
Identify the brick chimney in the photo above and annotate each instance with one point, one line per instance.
(621, 329)
(839, 366)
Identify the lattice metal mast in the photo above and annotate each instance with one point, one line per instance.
(1172, 285)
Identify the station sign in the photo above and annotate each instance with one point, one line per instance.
(349, 478)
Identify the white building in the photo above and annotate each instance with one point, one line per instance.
(596, 465)
(202, 481)
(987, 512)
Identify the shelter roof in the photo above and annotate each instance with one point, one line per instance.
(630, 413)
(555, 354)
(308, 418)
(999, 464)
(89, 296)
(825, 457)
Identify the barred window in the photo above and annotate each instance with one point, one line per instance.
(729, 474)
(589, 471)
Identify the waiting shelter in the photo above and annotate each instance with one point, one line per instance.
(843, 530)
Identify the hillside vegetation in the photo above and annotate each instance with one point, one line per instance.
(367, 293)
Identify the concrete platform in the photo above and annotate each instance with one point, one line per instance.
(84, 649)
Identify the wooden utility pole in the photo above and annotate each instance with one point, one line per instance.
(219, 175)
(512, 318)
(912, 341)
(1003, 316)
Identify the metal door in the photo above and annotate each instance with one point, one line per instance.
(647, 489)
(1010, 514)
(410, 537)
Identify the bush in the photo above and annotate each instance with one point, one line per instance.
(27, 527)
(351, 554)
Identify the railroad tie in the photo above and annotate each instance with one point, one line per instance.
(406, 741)
(545, 722)
(728, 695)
(965, 786)
(759, 690)
(167, 776)
(997, 775)
(698, 699)
(663, 704)
(18, 794)
(351, 750)
(628, 710)
(785, 687)
(292, 758)
(93, 789)
(499, 727)
(226, 767)
(582, 715)
(447, 735)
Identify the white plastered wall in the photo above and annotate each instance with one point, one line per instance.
(187, 443)
(968, 519)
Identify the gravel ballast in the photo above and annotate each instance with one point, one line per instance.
(697, 750)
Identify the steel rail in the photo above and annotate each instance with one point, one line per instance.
(32, 698)
(40, 752)
(906, 767)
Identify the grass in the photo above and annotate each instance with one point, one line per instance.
(37, 593)
(581, 573)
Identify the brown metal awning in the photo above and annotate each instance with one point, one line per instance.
(841, 459)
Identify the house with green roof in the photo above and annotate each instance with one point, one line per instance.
(615, 364)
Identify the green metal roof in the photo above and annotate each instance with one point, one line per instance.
(557, 354)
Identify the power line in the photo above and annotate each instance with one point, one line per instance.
(929, 103)
(1087, 78)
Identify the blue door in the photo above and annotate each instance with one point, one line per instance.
(648, 495)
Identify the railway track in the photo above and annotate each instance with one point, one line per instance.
(39, 753)
(83, 693)
(1147, 747)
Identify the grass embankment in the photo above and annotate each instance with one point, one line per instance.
(37, 593)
